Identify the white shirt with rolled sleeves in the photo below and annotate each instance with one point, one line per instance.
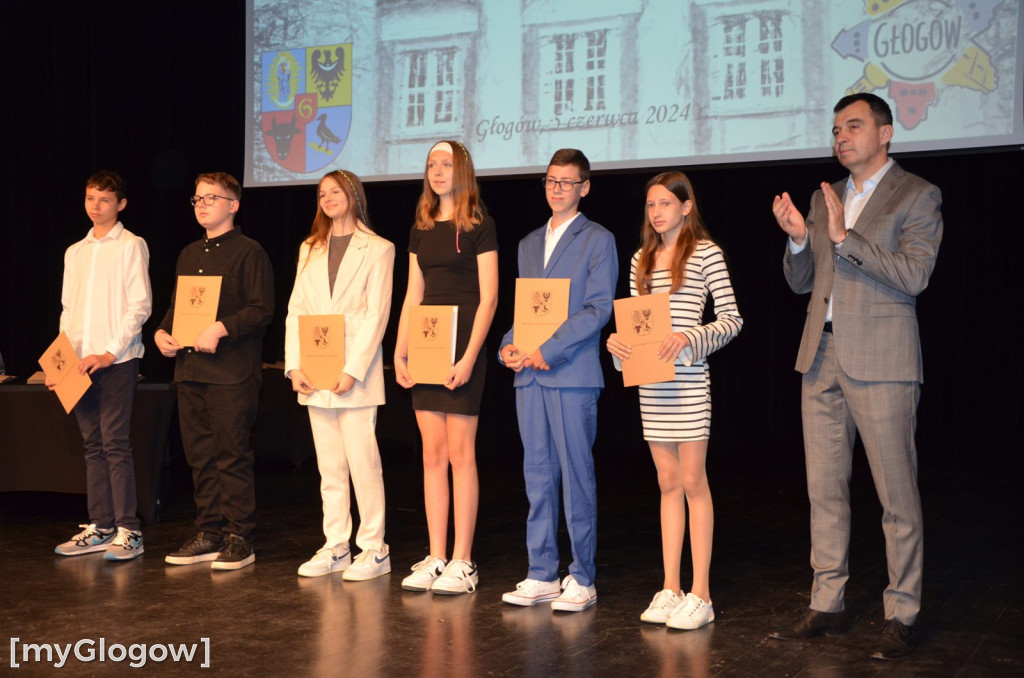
(106, 296)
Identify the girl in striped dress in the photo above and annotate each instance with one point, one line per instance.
(677, 256)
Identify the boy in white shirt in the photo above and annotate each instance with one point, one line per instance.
(106, 298)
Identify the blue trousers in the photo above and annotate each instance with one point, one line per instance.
(558, 426)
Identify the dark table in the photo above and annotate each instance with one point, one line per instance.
(41, 448)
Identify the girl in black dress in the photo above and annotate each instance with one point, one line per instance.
(453, 260)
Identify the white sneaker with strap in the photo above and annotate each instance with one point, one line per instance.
(458, 577)
(424, 573)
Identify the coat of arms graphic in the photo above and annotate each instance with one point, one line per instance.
(429, 328)
(306, 107)
(643, 322)
(59, 361)
(541, 302)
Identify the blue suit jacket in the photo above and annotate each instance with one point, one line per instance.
(586, 255)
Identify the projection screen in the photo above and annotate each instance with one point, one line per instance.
(369, 85)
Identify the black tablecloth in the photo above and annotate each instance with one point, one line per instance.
(41, 446)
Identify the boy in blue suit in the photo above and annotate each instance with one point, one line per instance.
(557, 387)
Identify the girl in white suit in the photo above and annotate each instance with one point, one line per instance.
(345, 268)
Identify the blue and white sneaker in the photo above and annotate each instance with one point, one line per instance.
(369, 564)
(90, 540)
(326, 560)
(125, 546)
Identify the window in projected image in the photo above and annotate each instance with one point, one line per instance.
(369, 85)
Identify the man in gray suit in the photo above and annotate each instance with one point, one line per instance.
(865, 252)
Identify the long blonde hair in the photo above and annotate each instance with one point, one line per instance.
(320, 231)
(692, 231)
(469, 210)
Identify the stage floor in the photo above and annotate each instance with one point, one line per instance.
(266, 621)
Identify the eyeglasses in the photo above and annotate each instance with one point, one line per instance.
(565, 184)
(207, 199)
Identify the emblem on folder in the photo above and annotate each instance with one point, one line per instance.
(643, 323)
(429, 328)
(320, 338)
(197, 296)
(541, 302)
(59, 361)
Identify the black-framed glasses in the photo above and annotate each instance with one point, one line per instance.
(564, 184)
(207, 199)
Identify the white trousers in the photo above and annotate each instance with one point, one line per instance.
(346, 447)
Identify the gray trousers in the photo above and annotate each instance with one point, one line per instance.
(104, 416)
(836, 408)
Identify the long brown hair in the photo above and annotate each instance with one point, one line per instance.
(320, 231)
(465, 192)
(693, 230)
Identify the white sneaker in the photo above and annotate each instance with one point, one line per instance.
(326, 560)
(369, 564)
(661, 608)
(574, 598)
(424, 573)
(531, 592)
(458, 577)
(693, 614)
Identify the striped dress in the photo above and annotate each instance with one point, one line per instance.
(680, 410)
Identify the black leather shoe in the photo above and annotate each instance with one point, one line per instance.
(897, 641)
(812, 624)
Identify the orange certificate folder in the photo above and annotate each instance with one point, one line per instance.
(643, 322)
(195, 306)
(60, 364)
(542, 305)
(322, 348)
(432, 342)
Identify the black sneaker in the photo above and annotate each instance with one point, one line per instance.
(200, 547)
(236, 554)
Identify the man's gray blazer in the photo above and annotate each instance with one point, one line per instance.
(876, 275)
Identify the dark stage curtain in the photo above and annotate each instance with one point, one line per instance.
(156, 92)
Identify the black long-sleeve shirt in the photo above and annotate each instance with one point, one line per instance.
(246, 307)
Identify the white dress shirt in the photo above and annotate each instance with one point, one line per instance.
(853, 205)
(553, 235)
(106, 295)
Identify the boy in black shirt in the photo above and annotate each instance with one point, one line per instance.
(218, 378)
